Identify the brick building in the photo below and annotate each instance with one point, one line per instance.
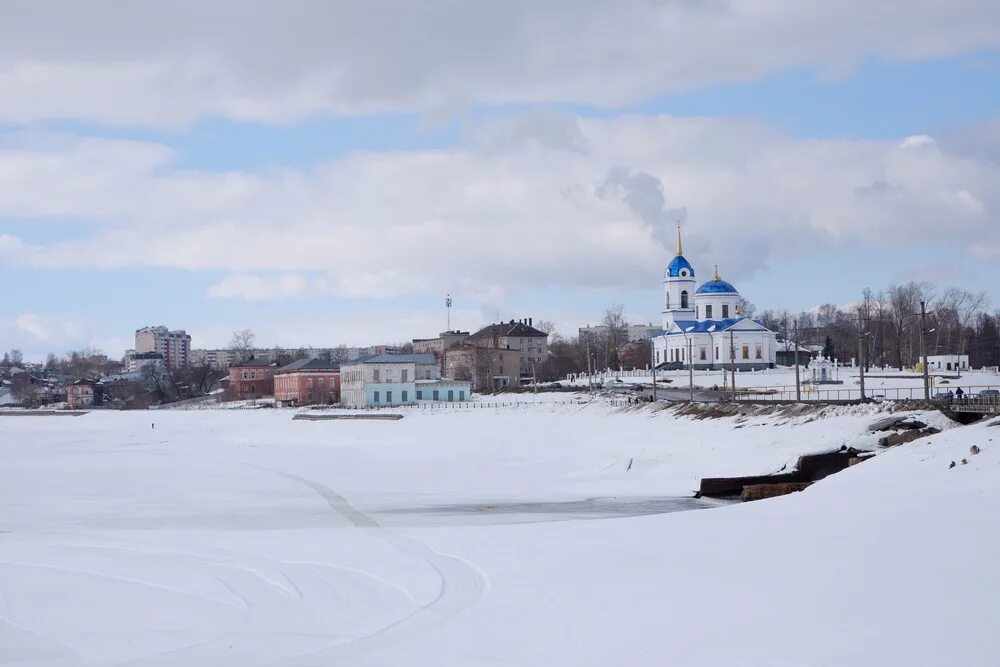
(252, 378)
(307, 381)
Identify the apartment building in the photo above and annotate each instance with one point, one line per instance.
(174, 346)
(531, 344)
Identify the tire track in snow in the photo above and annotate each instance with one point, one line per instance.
(462, 584)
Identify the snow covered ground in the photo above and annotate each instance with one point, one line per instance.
(541, 535)
(891, 384)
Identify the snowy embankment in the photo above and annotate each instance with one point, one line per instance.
(891, 383)
(446, 538)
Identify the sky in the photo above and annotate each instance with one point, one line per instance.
(326, 173)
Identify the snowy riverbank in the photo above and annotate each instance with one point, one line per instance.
(452, 538)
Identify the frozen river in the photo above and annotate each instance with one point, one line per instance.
(556, 535)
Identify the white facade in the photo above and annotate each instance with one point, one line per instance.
(703, 327)
(948, 362)
(358, 379)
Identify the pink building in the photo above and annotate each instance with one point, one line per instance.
(82, 394)
(307, 381)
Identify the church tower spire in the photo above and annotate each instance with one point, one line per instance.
(680, 247)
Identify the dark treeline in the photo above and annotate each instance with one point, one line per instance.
(889, 324)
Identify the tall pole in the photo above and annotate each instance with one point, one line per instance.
(590, 377)
(795, 342)
(732, 359)
(923, 350)
(690, 373)
(447, 304)
(652, 360)
(861, 356)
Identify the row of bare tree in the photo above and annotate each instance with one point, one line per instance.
(890, 323)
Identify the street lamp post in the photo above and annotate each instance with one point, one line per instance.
(652, 358)
(690, 360)
(923, 349)
(795, 342)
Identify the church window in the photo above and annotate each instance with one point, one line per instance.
(725, 310)
(703, 354)
(684, 299)
(746, 351)
(708, 312)
(668, 299)
(759, 352)
(716, 352)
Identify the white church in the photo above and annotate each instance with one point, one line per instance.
(703, 326)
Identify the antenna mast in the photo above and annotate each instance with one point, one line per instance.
(447, 304)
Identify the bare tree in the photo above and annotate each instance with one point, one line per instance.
(242, 345)
(546, 326)
(617, 333)
(745, 308)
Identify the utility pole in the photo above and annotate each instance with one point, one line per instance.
(447, 304)
(732, 359)
(795, 342)
(590, 378)
(923, 349)
(690, 373)
(652, 360)
(861, 356)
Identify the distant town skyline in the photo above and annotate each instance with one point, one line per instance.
(333, 187)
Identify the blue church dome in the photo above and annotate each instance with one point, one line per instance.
(676, 265)
(716, 286)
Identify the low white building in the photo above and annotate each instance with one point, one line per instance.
(397, 379)
(948, 362)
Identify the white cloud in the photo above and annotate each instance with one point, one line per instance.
(253, 287)
(917, 141)
(169, 63)
(47, 328)
(488, 219)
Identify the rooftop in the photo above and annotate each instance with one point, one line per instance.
(427, 359)
(514, 328)
(309, 365)
(254, 363)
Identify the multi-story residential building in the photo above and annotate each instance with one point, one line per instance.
(397, 379)
(436, 346)
(252, 378)
(598, 335)
(136, 361)
(217, 359)
(174, 346)
(487, 368)
(518, 335)
(307, 381)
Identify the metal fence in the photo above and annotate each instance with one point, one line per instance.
(814, 393)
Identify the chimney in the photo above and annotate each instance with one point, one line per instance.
(529, 322)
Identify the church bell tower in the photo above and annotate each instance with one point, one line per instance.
(678, 287)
